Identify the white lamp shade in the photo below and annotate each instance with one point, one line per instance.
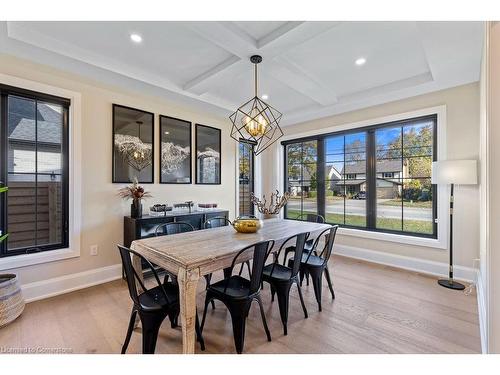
(460, 172)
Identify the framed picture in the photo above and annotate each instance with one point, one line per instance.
(133, 145)
(208, 155)
(175, 151)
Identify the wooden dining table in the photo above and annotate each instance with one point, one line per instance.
(191, 255)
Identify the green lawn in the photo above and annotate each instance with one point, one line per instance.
(406, 203)
(415, 226)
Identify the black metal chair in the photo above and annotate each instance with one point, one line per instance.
(312, 218)
(220, 221)
(316, 265)
(166, 229)
(214, 222)
(238, 293)
(281, 278)
(153, 305)
(174, 228)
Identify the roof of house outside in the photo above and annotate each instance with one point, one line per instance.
(383, 166)
(22, 126)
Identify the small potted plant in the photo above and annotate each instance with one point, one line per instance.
(135, 192)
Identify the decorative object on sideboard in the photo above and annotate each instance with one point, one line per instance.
(256, 120)
(184, 206)
(11, 299)
(271, 209)
(453, 172)
(133, 144)
(246, 224)
(159, 210)
(207, 206)
(137, 193)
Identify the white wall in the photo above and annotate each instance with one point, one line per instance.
(482, 282)
(102, 211)
(462, 142)
(490, 139)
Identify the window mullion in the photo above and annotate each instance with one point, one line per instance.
(36, 173)
(371, 181)
(320, 177)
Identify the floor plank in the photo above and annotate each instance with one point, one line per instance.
(378, 309)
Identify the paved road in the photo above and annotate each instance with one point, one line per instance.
(357, 207)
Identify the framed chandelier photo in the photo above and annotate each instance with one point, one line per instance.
(256, 120)
(175, 150)
(133, 145)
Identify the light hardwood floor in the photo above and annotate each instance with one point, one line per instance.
(377, 309)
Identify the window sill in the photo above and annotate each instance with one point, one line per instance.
(399, 238)
(25, 260)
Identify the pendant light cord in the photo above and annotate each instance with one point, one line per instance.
(255, 79)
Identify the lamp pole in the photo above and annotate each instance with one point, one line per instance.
(450, 283)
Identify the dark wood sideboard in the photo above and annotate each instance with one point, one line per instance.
(144, 227)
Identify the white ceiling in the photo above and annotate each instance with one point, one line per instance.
(308, 69)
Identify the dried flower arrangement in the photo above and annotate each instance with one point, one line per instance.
(135, 192)
(275, 205)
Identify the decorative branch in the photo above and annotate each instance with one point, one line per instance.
(275, 205)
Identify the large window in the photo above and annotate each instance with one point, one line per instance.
(302, 179)
(375, 178)
(34, 166)
(246, 177)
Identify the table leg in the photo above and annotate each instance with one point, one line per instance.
(188, 281)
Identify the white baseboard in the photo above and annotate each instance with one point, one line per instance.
(467, 274)
(482, 311)
(69, 283)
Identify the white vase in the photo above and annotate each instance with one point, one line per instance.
(269, 216)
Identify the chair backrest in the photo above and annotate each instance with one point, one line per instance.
(133, 277)
(313, 218)
(261, 251)
(329, 234)
(173, 228)
(215, 222)
(300, 241)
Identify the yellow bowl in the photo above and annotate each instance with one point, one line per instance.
(247, 225)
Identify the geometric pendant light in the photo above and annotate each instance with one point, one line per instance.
(256, 120)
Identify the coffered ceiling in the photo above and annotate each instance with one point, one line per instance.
(308, 70)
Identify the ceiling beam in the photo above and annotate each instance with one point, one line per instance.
(211, 73)
(277, 33)
(236, 41)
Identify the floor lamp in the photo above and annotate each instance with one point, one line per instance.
(453, 172)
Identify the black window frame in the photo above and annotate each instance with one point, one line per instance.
(5, 92)
(371, 200)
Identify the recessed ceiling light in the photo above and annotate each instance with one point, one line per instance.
(167, 133)
(136, 38)
(265, 97)
(360, 61)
